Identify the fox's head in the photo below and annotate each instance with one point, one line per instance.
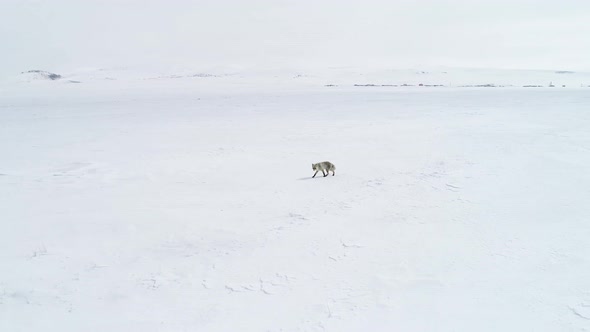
(313, 167)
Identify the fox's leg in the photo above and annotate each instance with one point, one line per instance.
(325, 174)
(333, 173)
(316, 172)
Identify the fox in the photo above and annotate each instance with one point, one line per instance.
(323, 166)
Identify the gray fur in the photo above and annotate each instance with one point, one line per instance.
(325, 167)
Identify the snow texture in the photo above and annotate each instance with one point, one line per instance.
(185, 203)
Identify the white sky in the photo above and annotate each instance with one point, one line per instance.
(535, 34)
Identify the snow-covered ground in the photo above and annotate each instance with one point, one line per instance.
(187, 204)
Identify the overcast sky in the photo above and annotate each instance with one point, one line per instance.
(535, 34)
